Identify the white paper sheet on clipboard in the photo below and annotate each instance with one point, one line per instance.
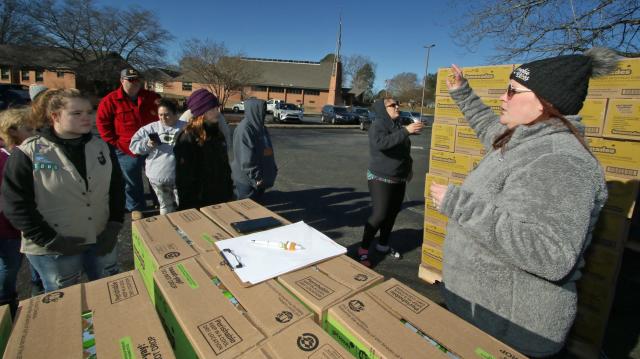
(262, 263)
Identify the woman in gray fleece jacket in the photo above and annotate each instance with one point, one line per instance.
(521, 221)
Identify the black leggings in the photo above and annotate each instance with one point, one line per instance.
(386, 199)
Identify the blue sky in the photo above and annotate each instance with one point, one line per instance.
(391, 33)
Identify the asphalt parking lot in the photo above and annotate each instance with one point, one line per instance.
(322, 181)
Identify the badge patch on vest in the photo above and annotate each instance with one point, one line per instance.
(101, 158)
(43, 163)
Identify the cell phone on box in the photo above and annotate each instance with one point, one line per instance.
(253, 225)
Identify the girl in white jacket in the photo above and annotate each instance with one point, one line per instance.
(156, 140)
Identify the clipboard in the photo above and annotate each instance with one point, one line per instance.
(254, 264)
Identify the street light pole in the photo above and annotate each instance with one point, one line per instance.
(424, 82)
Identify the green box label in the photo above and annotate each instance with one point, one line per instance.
(187, 276)
(126, 348)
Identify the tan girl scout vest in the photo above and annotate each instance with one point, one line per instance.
(68, 205)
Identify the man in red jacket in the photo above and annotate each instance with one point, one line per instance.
(120, 114)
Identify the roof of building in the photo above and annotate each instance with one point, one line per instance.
(31, 56)
(291, 73)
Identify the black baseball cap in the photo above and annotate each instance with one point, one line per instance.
(129, 74)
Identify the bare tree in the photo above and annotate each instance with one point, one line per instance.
(352, 64)
(363, 80)
(211, 63)
(541, 28)
(15, 27)
(405, 87)
(93, 39)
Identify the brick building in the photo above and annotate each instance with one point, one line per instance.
(305, 83)
(27, 65)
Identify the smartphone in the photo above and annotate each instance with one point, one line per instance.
(258, 224)
(155, 138)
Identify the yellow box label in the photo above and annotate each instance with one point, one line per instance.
(592, 114)
(467, 141)
(624, 81)
(441, 82)
(618, 158)
(447, 110)
(452, 165)
(623, 119)
(432, 261)
(488, 80)
(443, 137)
(433, 237)
(432, 213)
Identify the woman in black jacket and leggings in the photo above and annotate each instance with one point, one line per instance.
(389, 171)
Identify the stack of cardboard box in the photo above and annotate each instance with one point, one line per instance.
(612, 118)
(107, 318)
(455, 150)
(183, 269)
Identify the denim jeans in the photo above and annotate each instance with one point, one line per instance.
(132, 174)
(10, 260)
(58, 271)
(244, 190)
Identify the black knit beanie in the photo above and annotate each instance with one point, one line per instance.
(563, 80)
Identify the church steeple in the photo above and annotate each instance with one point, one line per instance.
(335, 84)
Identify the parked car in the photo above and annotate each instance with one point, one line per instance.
(365, 116)
(13, 95)
(406, 117)
(338, 114)
(238, 107)
(271, 104)
(286, 112)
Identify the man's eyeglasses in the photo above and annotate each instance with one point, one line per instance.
(512, 91)
(395, 104)
(134, 79)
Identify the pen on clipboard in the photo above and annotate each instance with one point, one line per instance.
(288, 245)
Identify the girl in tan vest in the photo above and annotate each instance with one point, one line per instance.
(62, 192)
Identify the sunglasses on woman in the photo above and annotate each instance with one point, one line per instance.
(512, 91)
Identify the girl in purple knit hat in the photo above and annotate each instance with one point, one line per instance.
(203, 175)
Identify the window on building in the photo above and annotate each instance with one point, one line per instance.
(39, 76)
(312, 92)
(24, 75)
(4, 73)
(60, 74)
(294, 91)
(187, 86)
(259, 88)
(277, 89)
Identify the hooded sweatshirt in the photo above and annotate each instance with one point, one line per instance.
(389, 146)
(203, 176)
(518, 229)
(252, 149)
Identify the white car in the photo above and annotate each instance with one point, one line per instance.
(286, 112)
(239, 107)
(271, 104)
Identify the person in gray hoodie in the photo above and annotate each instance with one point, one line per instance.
(156, 141)
(254, 167)
(521, 221)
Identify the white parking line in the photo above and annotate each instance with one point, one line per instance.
(417, 148)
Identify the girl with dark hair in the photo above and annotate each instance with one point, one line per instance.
(203, 175)
(520, 223)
